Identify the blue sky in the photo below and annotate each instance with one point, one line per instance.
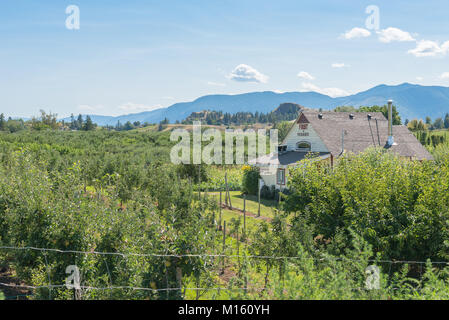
(131, 56)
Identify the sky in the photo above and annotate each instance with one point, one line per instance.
(136, 55)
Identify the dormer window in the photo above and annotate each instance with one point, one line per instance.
(303, 146)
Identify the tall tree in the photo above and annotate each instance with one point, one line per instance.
(79, 122)
(2, 122)
(88, 125)
(439, 123)
(446, 121)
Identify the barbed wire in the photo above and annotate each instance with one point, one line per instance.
(55, 286)
(83, 287)
(50, 286)
(205, 255)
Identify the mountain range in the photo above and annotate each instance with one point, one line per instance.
(412, 101)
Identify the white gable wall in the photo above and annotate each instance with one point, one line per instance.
(271, 180)
(309, 135)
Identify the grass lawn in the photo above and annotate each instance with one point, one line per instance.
(251, 223)
(266, 206)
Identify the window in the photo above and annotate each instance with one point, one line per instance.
(303, 146)
(280, 177)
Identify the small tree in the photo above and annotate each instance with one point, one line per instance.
(250, 180)
(128, 126)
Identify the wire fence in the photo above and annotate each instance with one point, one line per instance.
(205, 255)
(244, 257)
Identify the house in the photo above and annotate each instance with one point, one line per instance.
(328, 135)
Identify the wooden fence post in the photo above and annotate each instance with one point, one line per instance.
(227, 191)
(258, 210)
(244, 216)
(224, 246)
(179, 279)
(197, 287)
(199, 182)
(219, 222)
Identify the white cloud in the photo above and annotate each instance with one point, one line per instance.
(306, 75)
(245, 73)
(419, 78)
(339, 65)
(444, 75)
(356, 33)
(135, 107)
(394, 34)
(428, 48)
(216, 84)
(445, 47)
(89, 108)
(331, 92)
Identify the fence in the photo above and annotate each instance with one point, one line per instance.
(82, 287)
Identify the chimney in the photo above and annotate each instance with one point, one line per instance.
(390, 140)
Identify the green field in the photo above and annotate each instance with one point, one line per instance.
(267, 207)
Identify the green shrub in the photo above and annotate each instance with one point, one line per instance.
(400, 207)
(250, 180)
(265, 192)
(195, 172)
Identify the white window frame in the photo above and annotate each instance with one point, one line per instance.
(279, 181)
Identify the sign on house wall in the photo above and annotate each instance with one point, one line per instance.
(303, 132)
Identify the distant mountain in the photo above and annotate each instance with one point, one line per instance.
(287, 108)
(413, 101)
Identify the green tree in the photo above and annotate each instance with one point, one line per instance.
(446, 121)
(2, 122)
(384, 110)
(79, 122)
(283, 127)
(46, 121)
(250, 180)
(439, 123)
(416, 125)
(345, 109)
(88, 124)
(429, 123)
(128, 126)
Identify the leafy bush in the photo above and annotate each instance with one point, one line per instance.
(265, 192)
(195, 172)
(250, 181)
(400, 207)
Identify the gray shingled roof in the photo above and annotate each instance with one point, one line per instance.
(286, 158)
(359, 136)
